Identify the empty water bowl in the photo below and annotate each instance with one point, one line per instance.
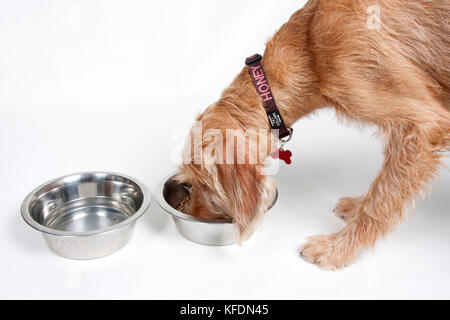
(86, 215)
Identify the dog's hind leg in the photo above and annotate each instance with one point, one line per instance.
(413, 154)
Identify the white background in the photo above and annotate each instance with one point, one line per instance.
(113, 85)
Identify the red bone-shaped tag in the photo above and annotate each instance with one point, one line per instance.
(284, 155)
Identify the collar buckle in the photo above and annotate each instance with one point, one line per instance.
(252, 59)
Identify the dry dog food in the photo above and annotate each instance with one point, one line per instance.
(185, 205)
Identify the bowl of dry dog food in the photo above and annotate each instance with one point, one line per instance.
(174, 198)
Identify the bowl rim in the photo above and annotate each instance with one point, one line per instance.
(180, 215)
(25, 213)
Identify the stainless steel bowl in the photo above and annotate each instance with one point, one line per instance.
(86, 215)
(220, 232)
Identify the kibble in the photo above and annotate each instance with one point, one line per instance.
(185, 206)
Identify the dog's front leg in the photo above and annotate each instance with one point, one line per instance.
(412, 158)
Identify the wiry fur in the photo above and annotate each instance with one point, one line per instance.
(396, 77)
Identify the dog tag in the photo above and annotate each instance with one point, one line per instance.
(284, 155)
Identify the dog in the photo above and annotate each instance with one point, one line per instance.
(384, 63)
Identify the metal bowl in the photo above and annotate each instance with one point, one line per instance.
(86, 215)
(219, 232)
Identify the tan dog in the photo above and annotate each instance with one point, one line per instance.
(384, 63)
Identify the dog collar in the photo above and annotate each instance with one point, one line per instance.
(263, 89)
(273, 114)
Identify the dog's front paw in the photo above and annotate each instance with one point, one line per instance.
(346, 208)
(326, 252)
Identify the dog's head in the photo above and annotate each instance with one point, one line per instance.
(225, 184)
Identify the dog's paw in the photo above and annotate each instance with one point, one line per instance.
(326, 253)
(346, 208)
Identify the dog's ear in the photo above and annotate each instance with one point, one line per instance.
(249, 195)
